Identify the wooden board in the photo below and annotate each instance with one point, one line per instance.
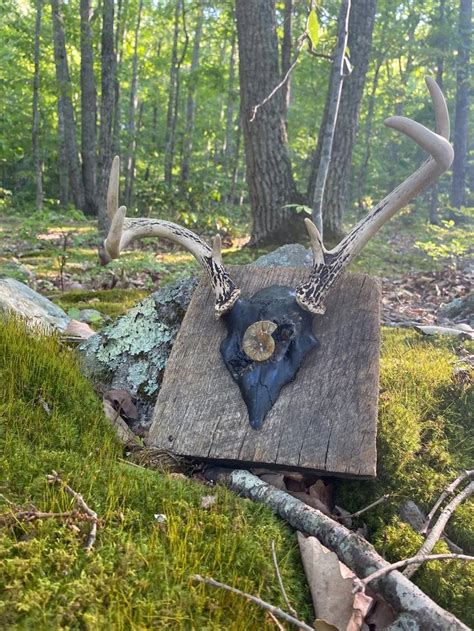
(325, 421)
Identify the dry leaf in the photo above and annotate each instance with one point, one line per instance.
(275, 479)
(122, 402)
(78, 330)
(121, 428)
(330, 582)
(208, 501)
(324, 625)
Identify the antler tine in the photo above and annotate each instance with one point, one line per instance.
(123, 231)
(328, 265)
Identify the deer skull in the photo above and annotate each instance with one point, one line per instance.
(269, 334)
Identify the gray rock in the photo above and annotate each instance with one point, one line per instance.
(131, 353)
(412, 514)
(90, 316)
(459, 309)
(37, 310)
(291, 255)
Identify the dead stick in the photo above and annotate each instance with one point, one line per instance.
(384, 498)
(437, 530)
(280, 581)
(357, 553)
(258, 601)
(7, 519)
(418, 559)
(55, 479)
(449, 490)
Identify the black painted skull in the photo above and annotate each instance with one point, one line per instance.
(268, 337)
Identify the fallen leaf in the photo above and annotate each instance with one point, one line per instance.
(330, 582)
(121, 428)
(78, 330)
(122, 402)
(208, 501)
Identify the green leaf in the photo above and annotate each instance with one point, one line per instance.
(313, 28)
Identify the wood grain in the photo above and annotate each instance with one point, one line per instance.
(325, 421)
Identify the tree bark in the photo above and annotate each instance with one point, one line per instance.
(190, 103)
(336, 195)
(230, 134)
(108, 65)
(36, 113)
(120, 34)
(63, 171)
(89, 112)
(135, 145)
(133, 104)
(286, 54)
(461, 127)
(335, 89)
(269, 176)
(65, 104)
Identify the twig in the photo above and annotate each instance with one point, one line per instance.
(55, 479)
(449, 490)
(258, 601)
(360, 583)
(437, 530)
(280, 581)
(7, 519)
(384, 498)
(276, 621)
(255, 108)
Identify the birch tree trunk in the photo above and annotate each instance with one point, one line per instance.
(133, 104)
(170, 139)
(269, 176)
(190, 103)
(35, 133)
(335, 89)
(89, 112)
(108, 65)
(461, 127)
(65, 104)
(336, 195)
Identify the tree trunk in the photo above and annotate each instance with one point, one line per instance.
(63, 171)
(120, 33)
(134, 153)
(171, 116)
(286, 54)
(108, 65)
(89, 112)
(336, 195)
(190, 104)
(36, 113)
(230, 140)
(65, 103)
(439, 80)
(269, 176)
(133, 104)
(463, 77)
(335, 89)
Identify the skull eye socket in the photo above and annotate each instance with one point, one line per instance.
(258, 343)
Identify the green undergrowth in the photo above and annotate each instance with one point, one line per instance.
(425, 437)
(111, 302)
(138, 574)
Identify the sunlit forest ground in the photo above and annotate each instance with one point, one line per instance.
(139, 574)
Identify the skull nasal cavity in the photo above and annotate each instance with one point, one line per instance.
(258, 343)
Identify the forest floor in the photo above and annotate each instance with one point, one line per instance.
(138, 575)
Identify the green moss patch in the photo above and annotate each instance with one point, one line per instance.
(138, 575)
(111, 302)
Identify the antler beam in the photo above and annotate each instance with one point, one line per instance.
(123, 231)
(328, 264)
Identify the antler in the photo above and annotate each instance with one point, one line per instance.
(123, 231)
(328, 264)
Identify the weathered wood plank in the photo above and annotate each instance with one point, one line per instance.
(324, 421)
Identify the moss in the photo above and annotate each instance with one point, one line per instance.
(425, 439)
(111, 302)
(138, 575)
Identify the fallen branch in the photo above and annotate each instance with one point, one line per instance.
(449, 490)
(359, 555)
(28, 516)
(280, 581)
(418, 559)
(55, 479)
(360, 512)
(276, 611)
(437, 530)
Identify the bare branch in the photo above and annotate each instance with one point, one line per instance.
(280, 581)
(384, 498)
(276, 611)
(55, 479)
(437, 530)
(360, 584)
(449, 490)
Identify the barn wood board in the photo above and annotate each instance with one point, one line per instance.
(324, 421)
